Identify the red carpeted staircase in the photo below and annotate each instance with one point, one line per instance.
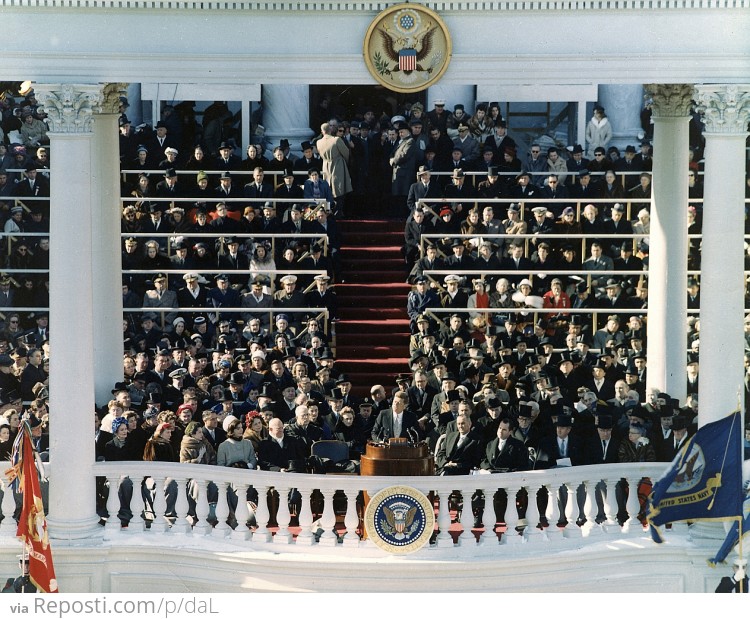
(372, 334)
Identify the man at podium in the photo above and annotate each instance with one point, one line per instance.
(396, 422)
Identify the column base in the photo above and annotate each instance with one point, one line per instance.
(70, 532)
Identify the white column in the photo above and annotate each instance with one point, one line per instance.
(726, 111)
(623, 104)
(452, 94)
(107, 289)
(71, 497)
(286, 114)
(667, 313)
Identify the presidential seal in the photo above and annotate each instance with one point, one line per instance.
(399, 519)
(407, 48)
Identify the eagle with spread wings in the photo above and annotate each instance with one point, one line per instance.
(399, 519)
(421, 43)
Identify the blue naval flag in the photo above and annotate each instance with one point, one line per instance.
(704, 481)
(739, 528)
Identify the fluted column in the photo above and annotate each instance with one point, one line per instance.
(71, 109)
(726, 112)
(286, 114)
(106, 265)
(667, 329)
(623, 103)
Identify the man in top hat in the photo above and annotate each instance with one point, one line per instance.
(667, 448)
(491, 187)
(160, 140)
(524, 189)
(500, 140)
(227, 161)
(233, 261)
(308, 160)
(628, 166)
(564, 449)
(576, 163)
(288, 189)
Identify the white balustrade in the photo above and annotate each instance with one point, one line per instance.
(593, 494)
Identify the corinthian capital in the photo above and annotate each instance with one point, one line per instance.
(70, 107)
(725, 108)
(111, 93)
(669, 100)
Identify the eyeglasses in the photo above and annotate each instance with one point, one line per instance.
(598, 154)
(535, 152)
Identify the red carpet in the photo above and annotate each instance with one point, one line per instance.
(372, 334)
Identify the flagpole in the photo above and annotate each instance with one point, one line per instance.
(24, 559)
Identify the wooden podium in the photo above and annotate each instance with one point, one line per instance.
(397, 457)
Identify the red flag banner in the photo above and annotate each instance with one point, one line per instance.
(32, 526)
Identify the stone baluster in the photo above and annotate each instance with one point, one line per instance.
(242, 514)
(328, 520)
(283, 536)
(305, 537)
(532, 533)
(633, 507)
(181, 523)
(202, 509)
(262, 534)
(222, 529)
(511, 536)
(444, 538)
(351, 520)
(113, 526)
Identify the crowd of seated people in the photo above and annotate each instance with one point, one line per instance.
(193, 363)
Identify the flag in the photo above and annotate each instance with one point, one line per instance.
(704, 481)
(32, 525)
(407, 60)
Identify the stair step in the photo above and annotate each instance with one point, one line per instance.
(376, 339)
(391, 265)
(359, 277)
(377, 226)
(387, 364)
(383, 301)
(369, 252)
(355, 313)
(372, 352)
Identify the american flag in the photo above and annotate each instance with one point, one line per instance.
(407, 60)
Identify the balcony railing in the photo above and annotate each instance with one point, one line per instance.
(585, 503)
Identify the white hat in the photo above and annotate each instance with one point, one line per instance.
(524, 282)
(169, 149)
(289, 279)
(258, 353)
(452, 278)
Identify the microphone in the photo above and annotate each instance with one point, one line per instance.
(411, 432)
